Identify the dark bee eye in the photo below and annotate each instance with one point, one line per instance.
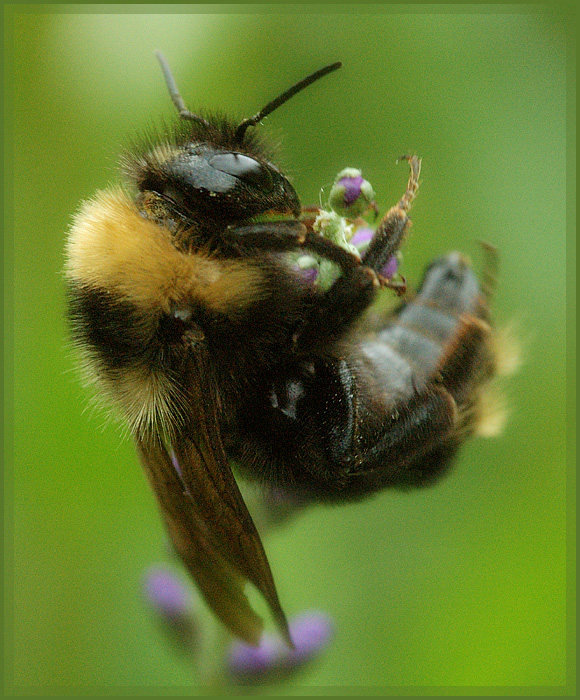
(215, 187)
(241, 167)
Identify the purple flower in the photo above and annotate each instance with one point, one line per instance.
(248, 664)
(273, 659)
(362, 237)
(171, 602)
(310, 632)
(165, 593)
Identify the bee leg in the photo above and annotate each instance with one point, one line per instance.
(490, 269)
(339, 309)
(281, 236)
(417, 442)
(356, 289)
(360, 448)
(399, 406)
(391, 230)
(342, 304)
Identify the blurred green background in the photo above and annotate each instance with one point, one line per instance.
(459, 585)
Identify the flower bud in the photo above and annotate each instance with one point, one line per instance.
(351, 194)
(171, 603)
(311, 633)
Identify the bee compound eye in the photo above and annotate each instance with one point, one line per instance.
(241, 167)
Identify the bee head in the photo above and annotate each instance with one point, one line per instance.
(211, 183)
(213, 173)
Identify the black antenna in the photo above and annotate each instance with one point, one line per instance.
(284, 97)
(184, 113)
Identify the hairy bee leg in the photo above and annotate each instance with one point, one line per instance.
(391, 230)
(428, 363)
(341, 306)
(413, 430)
(281, 236)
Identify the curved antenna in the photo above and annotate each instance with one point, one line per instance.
(284, 97)
(184, 113)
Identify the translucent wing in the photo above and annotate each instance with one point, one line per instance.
(205, 514)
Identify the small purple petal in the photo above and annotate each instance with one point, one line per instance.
(165, 592)
(362, 236)
(252, 663)
(352, 187)
(390, 269)
(272, 659)
(310, 632)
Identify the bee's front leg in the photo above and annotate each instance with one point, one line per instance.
(283, 236)
(391, 231)
(353, 292)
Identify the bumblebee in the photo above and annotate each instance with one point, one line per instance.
(191, 322)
